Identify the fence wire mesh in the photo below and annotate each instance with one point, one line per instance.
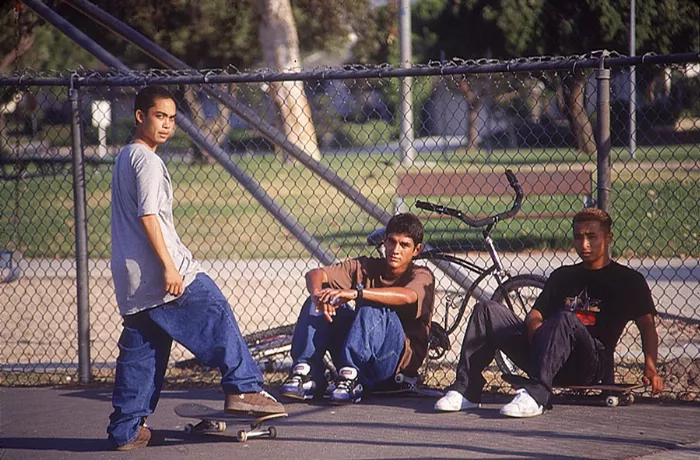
(470, 121)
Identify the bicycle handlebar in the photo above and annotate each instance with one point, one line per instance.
(517, 203)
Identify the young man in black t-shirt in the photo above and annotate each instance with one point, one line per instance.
(569, 336)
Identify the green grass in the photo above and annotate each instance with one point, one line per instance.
(655, 210)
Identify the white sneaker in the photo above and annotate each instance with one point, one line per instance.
(454, 401)
(523, 405)
(299, 385)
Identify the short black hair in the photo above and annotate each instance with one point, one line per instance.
(146, 98)
(594, 215)
(406, 224)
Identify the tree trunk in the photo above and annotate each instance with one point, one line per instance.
(280, 47)
(22, 48)
(475, 104)
(574, 99)
(535, 89)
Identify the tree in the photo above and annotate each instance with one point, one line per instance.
(509, 28)
(280, 50)
(26, 41)
(216, 34)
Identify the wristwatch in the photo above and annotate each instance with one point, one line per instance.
(359, 288)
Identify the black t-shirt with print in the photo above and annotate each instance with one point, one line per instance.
(604, 300)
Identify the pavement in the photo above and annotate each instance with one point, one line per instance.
(69, 423)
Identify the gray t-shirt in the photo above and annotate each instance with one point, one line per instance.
(141, 186)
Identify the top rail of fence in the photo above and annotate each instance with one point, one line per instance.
(83, 77)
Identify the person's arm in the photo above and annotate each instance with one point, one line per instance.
(389, 296)
(315, 280)
(533, 320)
(173, 280)
(650, 347)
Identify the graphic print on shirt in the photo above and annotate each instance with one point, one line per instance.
(584, 307)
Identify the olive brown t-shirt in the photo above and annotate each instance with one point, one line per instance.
(415, 318)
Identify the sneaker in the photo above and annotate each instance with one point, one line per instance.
(142, 438)
(348, 389)
(252, 403)
(454, 401)
(523, 405)
(299, 385)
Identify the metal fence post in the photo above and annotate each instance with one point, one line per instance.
(603, 137)
(408, 151)
(81, 251)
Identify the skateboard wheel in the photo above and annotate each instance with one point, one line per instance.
(399, 378)
(188, 428)
(272, 432)
(220, 427)
(629, 399)
(612, 401)
(242, 436)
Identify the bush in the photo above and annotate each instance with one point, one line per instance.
(373, 132)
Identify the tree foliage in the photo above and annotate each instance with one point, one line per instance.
(508, 28)
(202, 33)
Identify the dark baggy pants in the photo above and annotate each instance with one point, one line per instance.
(562, 352)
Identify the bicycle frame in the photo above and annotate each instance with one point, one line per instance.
(496, 270)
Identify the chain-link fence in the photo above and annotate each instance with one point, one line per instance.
(260, 207)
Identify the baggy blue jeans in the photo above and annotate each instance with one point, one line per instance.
(370, 339)
(202, 321)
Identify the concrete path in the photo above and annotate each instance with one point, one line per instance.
(53, 424)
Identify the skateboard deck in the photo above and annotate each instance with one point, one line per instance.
(215, 421)
(404, 385)
(614, 393)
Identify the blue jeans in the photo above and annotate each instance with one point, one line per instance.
(370, 339)
(202, 321)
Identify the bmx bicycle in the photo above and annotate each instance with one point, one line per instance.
(517, 292)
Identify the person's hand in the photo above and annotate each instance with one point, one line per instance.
(173, 281)
(336, 296)
(328, 300)
(653, 379)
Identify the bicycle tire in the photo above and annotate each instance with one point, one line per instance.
(520, 304)
(264, 345)
(270, 342)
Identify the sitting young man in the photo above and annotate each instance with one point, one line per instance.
(570, 335)
(386, 332)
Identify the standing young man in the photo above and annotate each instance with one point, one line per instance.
(386, 332)
(570, 335)
(162, 292)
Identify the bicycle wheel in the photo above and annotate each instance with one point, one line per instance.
(270, 345)
(519, 294)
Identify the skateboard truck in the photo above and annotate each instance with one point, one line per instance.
(216, 421)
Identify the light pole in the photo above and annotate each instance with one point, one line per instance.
(633, 86)
(408, 152)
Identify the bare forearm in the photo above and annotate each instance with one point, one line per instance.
(391, 296)
(155, 236)
(650, 347)
(533, 320)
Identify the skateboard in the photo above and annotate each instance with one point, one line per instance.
(403, 384)
(215, 421)
(614, 393)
